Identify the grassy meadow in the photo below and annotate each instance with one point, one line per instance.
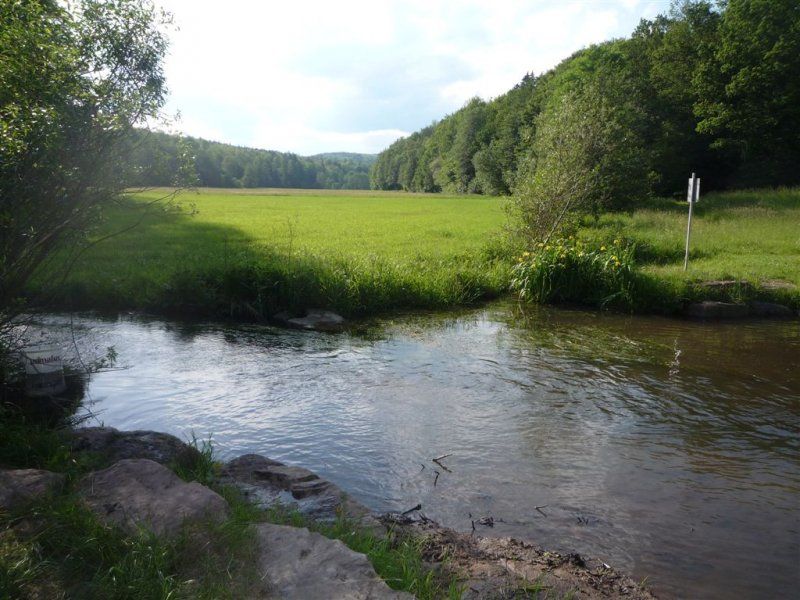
(245, 253)
(251, 253)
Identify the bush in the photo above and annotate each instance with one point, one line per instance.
(567, 270)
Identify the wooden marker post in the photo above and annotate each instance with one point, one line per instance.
(692, 196)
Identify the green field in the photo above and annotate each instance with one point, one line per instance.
(237, 253)
(752, 235)
(251, 253)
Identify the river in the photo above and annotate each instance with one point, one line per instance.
(666, 448)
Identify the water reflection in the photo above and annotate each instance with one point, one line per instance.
(666, 448)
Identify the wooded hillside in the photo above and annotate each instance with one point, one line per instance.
(160, 159)
(711, 88)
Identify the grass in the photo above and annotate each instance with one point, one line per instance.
(249, 254)
(246, 255)
(752, 237)
(57, 548)
(398, 560)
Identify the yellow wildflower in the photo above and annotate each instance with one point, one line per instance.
(602, 248)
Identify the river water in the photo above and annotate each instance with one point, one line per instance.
(666, 448)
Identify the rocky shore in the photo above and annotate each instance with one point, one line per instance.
(133, 488)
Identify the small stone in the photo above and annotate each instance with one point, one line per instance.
(301, 565)
(136, 493)
(711, 309)
(21, 486)
(318, 320)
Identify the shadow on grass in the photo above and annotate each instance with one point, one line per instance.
(175, 264)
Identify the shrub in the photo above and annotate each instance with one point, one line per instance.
(567, 270)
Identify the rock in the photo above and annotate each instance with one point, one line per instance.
(770, 309)
(777, 284)
(115, 445)
(314, 320)
(302, 565)
(711, 309)
(270, 482)
(20, 486)
(282, 318)
(135, 493)
(726, 285)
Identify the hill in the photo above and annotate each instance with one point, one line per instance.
(711, 88)
(160, 159)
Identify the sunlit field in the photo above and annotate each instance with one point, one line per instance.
(251, 253)
(242, 252)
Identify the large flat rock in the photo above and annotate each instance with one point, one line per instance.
(770, 309)
(141, 493)
(21, 486)
(269, 482)
(115, 445)
(711, 309)
(301, 565)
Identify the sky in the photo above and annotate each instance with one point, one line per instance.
(308, 77)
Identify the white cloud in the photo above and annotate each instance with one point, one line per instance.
(316, 76)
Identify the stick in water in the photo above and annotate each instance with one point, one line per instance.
(410, 510)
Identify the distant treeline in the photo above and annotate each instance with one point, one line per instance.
(711, 88)
(160, 159)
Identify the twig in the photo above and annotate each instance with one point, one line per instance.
(423, 467)
(539, 508)
(443, 456)
(436, 478)
(410, 510)
(437, 459)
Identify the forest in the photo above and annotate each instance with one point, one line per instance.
(161, 159)
(708, 87)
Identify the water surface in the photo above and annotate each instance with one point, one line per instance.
(666, 448)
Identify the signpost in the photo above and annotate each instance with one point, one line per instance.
(44, 371)
(692, 196)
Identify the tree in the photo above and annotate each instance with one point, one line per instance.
(583, 159)
(749, 89)
(74, 81)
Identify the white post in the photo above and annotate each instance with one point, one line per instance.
(692, 197)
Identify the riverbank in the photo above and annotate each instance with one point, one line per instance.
(141, 514)
(249, 256)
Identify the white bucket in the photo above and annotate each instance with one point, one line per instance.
(44, 371)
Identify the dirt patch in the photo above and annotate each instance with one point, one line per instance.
(499, 568)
